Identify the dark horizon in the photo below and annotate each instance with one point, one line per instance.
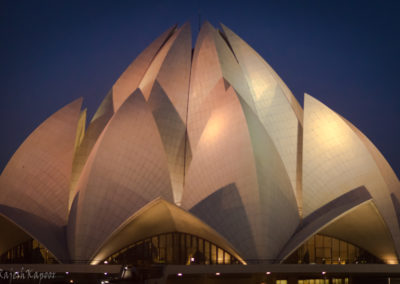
(344, 54)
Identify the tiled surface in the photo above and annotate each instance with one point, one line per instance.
(336, 160)
(168, 102)
(365, 227)
(386, 170)
(228, 148)
(146, 83)
(129, 169)
(36, 179)
(95, 128)
(158, 217)
(219, 134)
(123, 87)
(133, 75)
(172, 131)
(276, 107)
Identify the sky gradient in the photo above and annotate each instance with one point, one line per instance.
(346, 55)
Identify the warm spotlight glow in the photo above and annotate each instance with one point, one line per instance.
(332, 133)
(392, 261)
(200, 150)
(262, 85)
(214, 127)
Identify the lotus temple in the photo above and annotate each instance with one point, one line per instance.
(200, 166)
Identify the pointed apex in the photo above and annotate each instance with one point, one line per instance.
(186, 25)
(169, 31)
(78, 100)
(225, 30)
(310, 99)
(224, 27)
(159, 217)
(76, 103)
(185, 29)
(206, 26)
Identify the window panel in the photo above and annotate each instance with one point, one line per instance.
(213, 254)
(207, 252)
(343, 251)
(319, 241)
(170, 248)
(220, 256)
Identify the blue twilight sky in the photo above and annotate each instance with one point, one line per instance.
(344, 53)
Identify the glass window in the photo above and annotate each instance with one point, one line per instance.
(220, 256)
(311, 252)
(328, 250)
(163, 241)
(319, 241)
(170, 248)
(327, 242)
(227, 258)
(162, 255)
(201, 246)
(319, 252)
(194, 242)
(207, 253)
(154, 241)
(213, 254)
(352, 253)
(343, 251)
(335, 251)
(188, 240)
